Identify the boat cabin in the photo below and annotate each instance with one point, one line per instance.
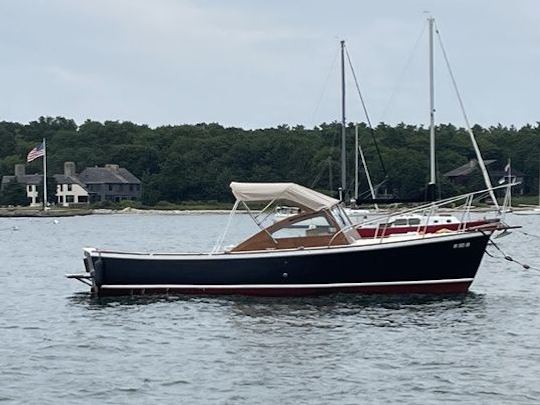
(422, 220)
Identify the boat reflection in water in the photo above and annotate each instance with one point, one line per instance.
(289, 259)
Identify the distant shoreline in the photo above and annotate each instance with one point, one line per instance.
(24, 212)
(72, 212)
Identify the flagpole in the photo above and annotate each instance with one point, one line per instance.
(44, 175)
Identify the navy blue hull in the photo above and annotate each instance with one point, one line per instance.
(437, 265)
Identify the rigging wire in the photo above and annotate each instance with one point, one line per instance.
(358, 88)
(323, 165)
(315, 110)
(408, 63)
(465, 117)
(452, 78)
(366, 112)
(331, 70)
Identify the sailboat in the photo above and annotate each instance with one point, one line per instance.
(430, 221)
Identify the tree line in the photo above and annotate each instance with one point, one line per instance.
(197, 162)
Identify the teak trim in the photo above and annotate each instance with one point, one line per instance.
(264, 239)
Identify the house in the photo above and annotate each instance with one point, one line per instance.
(463, 173)
(32, 182)
(110, 183)
(69, 189)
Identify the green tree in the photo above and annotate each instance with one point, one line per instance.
(13, 193)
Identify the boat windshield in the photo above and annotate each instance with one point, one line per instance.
(309, 227)
(340, 216)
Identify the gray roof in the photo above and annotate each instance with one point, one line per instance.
(63, 179)
(25, 179)
(106, 175)
(467, 168)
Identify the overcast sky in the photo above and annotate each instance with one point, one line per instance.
(261, 63)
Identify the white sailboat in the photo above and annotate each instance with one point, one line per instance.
(433, 221)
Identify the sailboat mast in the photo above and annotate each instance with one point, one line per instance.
(356, 162)
(432, 180)
(343, 123)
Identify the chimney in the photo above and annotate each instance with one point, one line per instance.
(69, 169)
(20, 170)
(112, 167)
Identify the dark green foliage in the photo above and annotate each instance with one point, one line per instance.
(13, 194)
(197, 162)
(51, 190)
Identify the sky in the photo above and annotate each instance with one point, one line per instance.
(257, 64)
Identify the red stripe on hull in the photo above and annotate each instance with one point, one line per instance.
(435, 288)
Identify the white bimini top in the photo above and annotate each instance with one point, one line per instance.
(292, 192)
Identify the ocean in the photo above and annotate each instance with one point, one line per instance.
(60, 345)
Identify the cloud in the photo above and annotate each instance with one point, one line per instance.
(257, 64)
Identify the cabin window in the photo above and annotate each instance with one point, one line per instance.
(400, 222)
(70, 198)
(414, 221)
(83, 198)
(308, 227)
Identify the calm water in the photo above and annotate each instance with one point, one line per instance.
(58, 345)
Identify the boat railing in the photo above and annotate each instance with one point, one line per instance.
(429, 209)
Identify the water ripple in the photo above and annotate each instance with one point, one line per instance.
(59, 344)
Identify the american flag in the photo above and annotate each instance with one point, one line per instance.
(38, 151)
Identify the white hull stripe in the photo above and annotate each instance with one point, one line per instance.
(278, 286)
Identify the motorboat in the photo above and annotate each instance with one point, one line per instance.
(284, 259)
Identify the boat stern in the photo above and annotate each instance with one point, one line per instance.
(93, 271)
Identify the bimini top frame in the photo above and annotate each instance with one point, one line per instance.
(303, 197)
(299, 195)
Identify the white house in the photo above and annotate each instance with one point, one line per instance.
(69, 189)
(111, 182)
(32, 192)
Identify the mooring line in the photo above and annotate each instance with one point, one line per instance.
(529, 234)
(510, 258)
